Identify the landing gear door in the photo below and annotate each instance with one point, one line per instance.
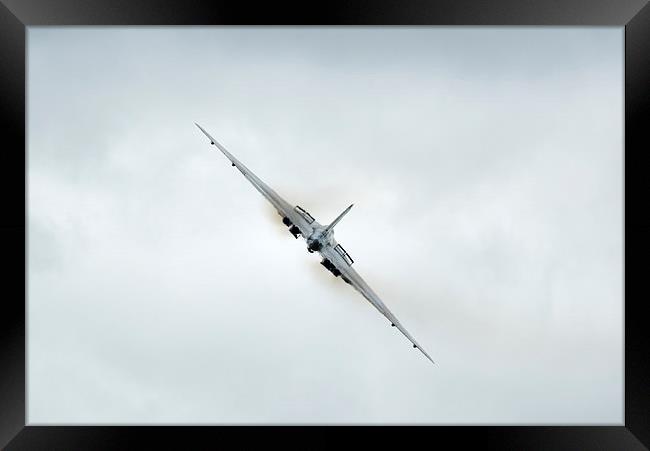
(303, 213)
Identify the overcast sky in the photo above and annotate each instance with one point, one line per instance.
(485, 165)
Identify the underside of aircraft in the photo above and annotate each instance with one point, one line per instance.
(319, 239)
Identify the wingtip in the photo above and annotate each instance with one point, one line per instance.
(205, 133)
(425, 353)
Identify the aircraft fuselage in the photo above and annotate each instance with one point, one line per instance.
(318, 239)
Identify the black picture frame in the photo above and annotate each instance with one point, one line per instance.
(16, 15)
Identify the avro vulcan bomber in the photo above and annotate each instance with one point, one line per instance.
(320, 239)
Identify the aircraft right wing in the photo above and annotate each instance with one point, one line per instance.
(349, 275)
(283, 208)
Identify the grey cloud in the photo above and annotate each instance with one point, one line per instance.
(485, 165)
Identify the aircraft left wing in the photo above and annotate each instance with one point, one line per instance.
(282, 206)
(350, 276)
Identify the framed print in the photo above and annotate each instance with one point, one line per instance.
(184, 168)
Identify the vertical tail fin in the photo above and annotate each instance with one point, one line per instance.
(336, 221)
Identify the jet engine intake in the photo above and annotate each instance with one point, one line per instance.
(295, 231)
(286, 221)
(330, 267)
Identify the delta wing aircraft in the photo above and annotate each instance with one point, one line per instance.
(319, 239)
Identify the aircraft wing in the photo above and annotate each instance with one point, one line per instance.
(350, 276)
(282, 206)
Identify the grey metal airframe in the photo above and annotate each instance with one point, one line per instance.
(319, 239)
